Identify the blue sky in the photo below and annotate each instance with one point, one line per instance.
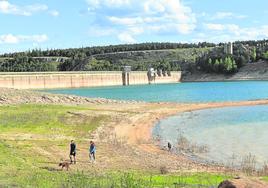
(30, 24)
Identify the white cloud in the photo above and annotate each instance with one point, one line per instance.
(131, 19)
(232, 28)
(151, 7)
(126, 38)
(232, 32)
(136, 30)
(8, 8)
(94, 4)
(217, 27)
(9, 39)
(125, 21)
(222, 15)
(97, 31)
(185, 28)
(35, 8)
(54, 13)
(15, 39)
(227, 15)
(36, 38)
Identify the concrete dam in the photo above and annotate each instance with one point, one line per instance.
(50, 80)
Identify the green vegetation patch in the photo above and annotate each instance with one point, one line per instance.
(48, 119)
(30, 136)
(54, 178)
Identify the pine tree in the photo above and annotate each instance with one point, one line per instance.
(216, 66)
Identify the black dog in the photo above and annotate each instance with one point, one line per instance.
(64, 165)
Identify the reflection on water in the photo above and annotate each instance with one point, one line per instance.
(229, 133)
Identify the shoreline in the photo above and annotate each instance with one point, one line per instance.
(133, 126)
(184, 107)
(139, 133)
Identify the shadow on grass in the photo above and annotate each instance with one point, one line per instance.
(51, 169)
(56, 163)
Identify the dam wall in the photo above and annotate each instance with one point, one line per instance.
(50, 80)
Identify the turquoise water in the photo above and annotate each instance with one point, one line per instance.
(181, 92)
(229, 133)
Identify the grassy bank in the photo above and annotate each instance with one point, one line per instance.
(116, 179)
(34, 138)
(52, 120)
(33, 135)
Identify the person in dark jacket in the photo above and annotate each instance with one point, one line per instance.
(72, 151)
(92, 151)
(169, 146)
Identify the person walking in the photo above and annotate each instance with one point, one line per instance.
(169, 146)
(92, 151)
(72, 152)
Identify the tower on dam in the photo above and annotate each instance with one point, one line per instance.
(228, 48)
(125, 75)
(151, 74)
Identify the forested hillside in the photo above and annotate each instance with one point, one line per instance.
(207, 57)
(89, 51)
(217, 61)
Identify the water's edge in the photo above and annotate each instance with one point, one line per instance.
(228, 138)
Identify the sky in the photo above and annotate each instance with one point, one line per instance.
(53, 24)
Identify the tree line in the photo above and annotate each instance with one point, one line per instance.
(89, 51)
(80, 62)
(84, 59)
(26, 64)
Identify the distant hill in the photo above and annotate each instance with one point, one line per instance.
(89, 51)
(169, 56)
(205, 57)
(140, 60)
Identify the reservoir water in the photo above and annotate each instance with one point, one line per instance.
(230, 134)
(181, 92)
